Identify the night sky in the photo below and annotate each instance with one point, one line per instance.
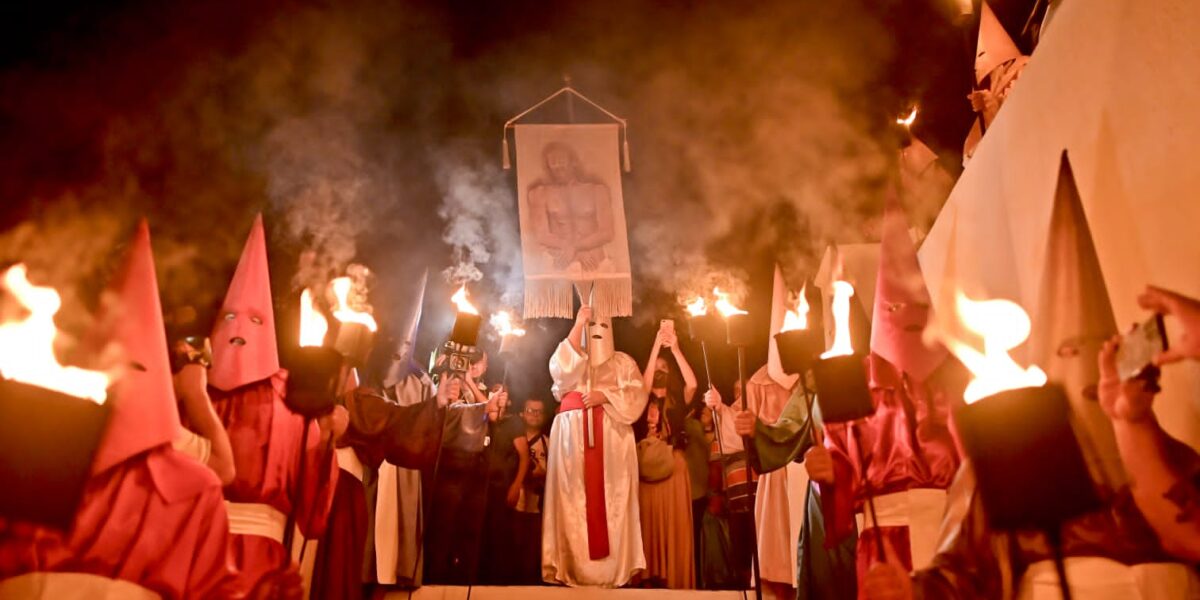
(366, 130)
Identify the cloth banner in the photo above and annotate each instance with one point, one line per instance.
(572, 219)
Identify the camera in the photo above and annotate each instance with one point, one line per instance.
(191, 350)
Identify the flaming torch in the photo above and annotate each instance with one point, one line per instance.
(51, 416)
(841, 380)
(704, 328)
(908, 121)
(356, 329)
(314, 369)
(468, 320)
(739, 334)
(1016, 429)
(459, 348)
(840, 376)
(798, 343)
(502, 322)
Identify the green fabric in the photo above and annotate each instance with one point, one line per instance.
(786, 440)
(717, 570)
(823, 573)
(695, 454)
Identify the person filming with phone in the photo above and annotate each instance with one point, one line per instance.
(1166, 472)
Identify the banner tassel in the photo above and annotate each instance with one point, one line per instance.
(507, 163)
(625, 153)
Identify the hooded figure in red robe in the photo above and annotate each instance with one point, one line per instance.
(907, 447)
(247, 390)
(151, 520)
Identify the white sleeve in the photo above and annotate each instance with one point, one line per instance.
(568, 368)
(627, 400)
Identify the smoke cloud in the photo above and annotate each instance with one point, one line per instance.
(368, 132)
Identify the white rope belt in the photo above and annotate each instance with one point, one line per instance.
(41, 585)
(920, 510)
(348, 461)
(251, 518)
(1095, 578)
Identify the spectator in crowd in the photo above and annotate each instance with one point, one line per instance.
(525, 493)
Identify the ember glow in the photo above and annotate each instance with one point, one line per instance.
(697, 307)
(724, 305)
(798, 318)
(27, 346)
(460, 300)
(842, 344)
(1003, 325)
(908, 121)
(502, 322)
(313, 325)
(343, 312)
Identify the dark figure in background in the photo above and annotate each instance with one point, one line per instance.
(500, 458)
(456, 486)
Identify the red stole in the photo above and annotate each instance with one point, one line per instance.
(593, 477)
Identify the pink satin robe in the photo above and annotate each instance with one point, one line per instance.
(156, 519)
(266, 440)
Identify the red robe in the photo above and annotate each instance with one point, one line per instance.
(266, 440)
(907, 443)
(379, 429)
(156, 519)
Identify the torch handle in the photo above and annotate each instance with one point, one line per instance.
(879, 550)
(587, 412)
(707, 372)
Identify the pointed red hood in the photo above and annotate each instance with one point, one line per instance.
(243, 339)
(902, 303)
(144, 413)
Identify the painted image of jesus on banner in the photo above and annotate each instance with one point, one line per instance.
(572, 218)
(572, 213)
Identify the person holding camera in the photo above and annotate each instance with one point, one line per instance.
(1165, 472)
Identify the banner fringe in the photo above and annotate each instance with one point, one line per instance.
(555, 298)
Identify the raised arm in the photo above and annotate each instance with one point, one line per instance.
(685, 369)
(1164, 473)
(191, 385)
(648, 372)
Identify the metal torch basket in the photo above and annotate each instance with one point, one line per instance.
(47, 443)
(842, 390)
(1029, 466)
(354, 341)
(312, 380)
(799, 349)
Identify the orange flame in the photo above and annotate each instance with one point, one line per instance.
(1003, 325)
(343, 312)
(697, 307)
(842, 344)
(723, 304)
(502, 322)
(908, 121)
(27, 347)
(313, 325)
(460, 300)
(797, 319)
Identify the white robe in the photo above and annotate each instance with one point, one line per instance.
(398, 507)
(564, 530)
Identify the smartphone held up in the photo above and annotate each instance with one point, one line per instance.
(1135, 357)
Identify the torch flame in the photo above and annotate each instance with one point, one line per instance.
(797, 319)
(502, 322)
(313, 325)
(27, 347)
(1003, 325)
(343, 312)
(460, 300)
(842, 344)
(724, 306)
(908, 121)
(697, 307)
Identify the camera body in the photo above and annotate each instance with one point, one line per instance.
(191, 350)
